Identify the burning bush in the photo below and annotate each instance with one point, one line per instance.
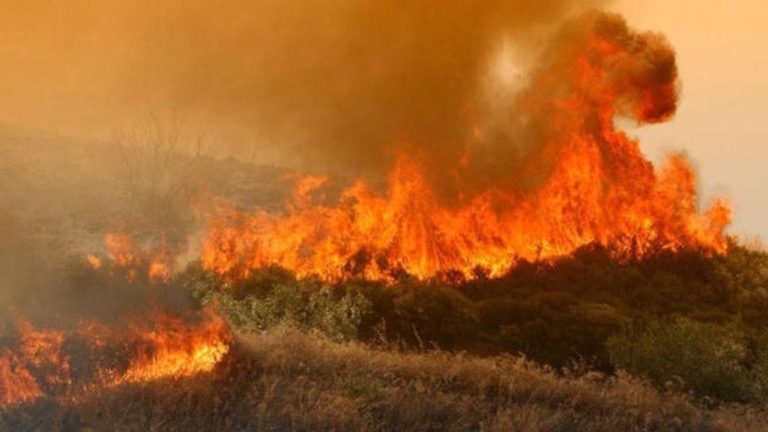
(141, 331)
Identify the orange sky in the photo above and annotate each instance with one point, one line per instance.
(722, 50)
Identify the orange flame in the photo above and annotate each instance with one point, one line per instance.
(38, 365)
(164, 346)
(43, 350)
(174, 349)
(158, 270)
(371, 235)
(154, 261)
(587, 182)
(17, 385)
(94, 261)
(121, 248)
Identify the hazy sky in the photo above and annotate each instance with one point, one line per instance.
(722, 49)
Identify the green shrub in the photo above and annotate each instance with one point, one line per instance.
(285, 303)
(705, 359)
(434, 314)
(338, 316)
(553, 311)
(337, 312)
(555, 335)
(495, 313)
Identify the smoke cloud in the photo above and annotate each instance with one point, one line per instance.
(335, 86)
(325, 84)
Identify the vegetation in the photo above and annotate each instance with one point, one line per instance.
(274, 298)
(675, 341)
(685, 320)
(285, 380)
(706, 359)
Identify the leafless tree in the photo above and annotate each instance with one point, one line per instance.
(153, 172)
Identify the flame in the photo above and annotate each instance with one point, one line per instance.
(371, 236)
(158, 271)
(17, 385)
(121, 248)
(587, 182)
(159, 346)
(38, 365)
(94, 261)
(43, 350)
(174, 349)
(153, 261)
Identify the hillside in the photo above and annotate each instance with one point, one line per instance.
(286, 380)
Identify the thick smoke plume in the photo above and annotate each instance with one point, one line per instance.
(333, 83)
(594, 70)
(563, 177)
(353, 86)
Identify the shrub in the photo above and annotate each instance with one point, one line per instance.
(434, 313)
(705, 359)
(338, 316)
(553, 311)
(336, 312)
(555, 335)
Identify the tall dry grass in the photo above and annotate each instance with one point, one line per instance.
(290, 381)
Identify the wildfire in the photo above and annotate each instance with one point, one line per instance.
(94, 261)
(160, 346)
(174, 349)
(17, 385)
(151, 261)
(586, 182)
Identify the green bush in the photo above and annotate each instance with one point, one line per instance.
(285, 303)
(554, 311)
(706, 359)
(555, 335)
(434, 314)
(337, 312)
(338, 316)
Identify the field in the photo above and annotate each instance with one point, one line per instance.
(287, 380)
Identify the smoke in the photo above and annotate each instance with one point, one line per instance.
(548, 173)
(336, 85)
(594, 69)
(324, 84)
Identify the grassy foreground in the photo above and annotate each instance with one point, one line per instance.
(286, 380)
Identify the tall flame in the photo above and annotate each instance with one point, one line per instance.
(586, 182)
(17, 385)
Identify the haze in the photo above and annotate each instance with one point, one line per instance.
(721, 53)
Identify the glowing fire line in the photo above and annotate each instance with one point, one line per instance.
(172, 348)
(597, 186)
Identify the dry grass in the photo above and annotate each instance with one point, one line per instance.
(286, 381)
